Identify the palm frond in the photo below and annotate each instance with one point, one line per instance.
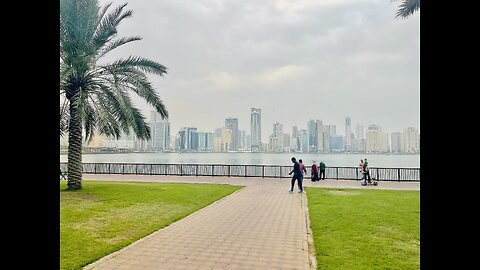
(115, 44)
(107, 27)
(127, 115)
(143, 64)
(407, 8)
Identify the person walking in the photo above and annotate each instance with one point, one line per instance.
(314, 172)
(367, 171)
(361, 169)
(297, 175)
(322, 170)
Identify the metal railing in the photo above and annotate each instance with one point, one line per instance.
(264, 171)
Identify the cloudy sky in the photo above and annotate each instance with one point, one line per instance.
(295, 59)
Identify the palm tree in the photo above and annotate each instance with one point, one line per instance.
(407, 8)
(96, 96)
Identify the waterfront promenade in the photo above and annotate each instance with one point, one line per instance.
(261, 226)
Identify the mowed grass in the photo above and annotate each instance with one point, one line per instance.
(365, 229)
(105, 216)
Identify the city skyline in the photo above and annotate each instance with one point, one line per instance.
(317, 137)
(293, 59)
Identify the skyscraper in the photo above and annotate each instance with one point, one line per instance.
(376, 141)
(159, 133)
(312, 136)
(397, 144)
(320, 137)
(276, 139)
(359, 132)
(256, 129)
(295, 145)
(232, 123)
(303, 139)
(187, 139)
(348, 131)
(411, 140)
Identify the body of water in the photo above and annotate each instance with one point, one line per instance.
(333, 160)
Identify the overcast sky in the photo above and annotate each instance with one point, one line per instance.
(295, 59)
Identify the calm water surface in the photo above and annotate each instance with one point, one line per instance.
(334, 160)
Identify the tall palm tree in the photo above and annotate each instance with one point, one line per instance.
(96, 96)
(407, 8)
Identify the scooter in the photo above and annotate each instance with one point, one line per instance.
(372, 182)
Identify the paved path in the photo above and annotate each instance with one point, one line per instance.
(261, 226)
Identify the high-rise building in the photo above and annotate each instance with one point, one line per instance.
(205, 141)
(256, 129)
(286, 142)
(159, 133)
(327, 144)
(376, 141)
(222, 139)
(295, 142)
(303, 139)
(242, 139)
(159, 136)
(337, 143)
(359, 132)
(320, 138)
(312, 136)
(232, 123)
(331, 129)
(348, 131)
(411, 140)
(187, 139)
(276, 139)
(397, 142)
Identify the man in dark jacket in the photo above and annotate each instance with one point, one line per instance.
(297, 175)
(322, 170)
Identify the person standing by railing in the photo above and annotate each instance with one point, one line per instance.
(297, 175)
(322, 170)
(314, 172)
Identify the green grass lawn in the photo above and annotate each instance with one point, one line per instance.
(365, 229)
(103, 217)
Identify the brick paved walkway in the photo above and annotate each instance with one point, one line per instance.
(261, 226)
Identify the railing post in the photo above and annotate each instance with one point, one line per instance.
(228, 170)
(181, 169)
(263, 171)
(337, 172)
(196, 170)
(123, 168)
(245, 170)
(95, 168)
(151, 169)
(136, 169)
(109, 168)
(213, 170)
(398, 174)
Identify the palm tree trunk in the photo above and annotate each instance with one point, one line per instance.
(74, 146)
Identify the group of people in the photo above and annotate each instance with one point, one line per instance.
(364, 169)
(299, 171)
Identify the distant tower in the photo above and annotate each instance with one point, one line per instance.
(159, 132)
(312, 136)
(256, 129)
(232, 123)
(348, 134)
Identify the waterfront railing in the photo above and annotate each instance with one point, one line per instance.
(264, 171)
